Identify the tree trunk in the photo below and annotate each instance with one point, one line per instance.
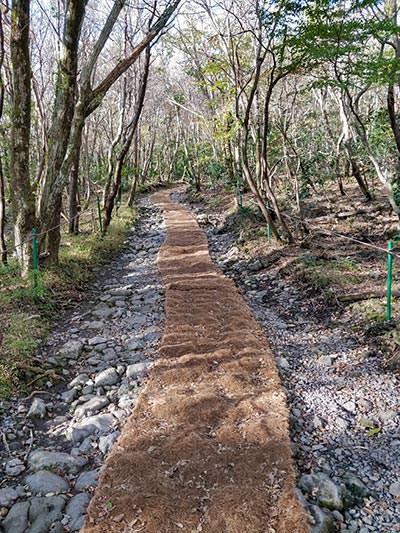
(59, 133)
(3, 247)
(23, 204)
(132, 127)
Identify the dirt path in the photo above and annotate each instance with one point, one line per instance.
(207, 447)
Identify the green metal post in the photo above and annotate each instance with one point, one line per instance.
(100, 219)
(389, 282)
(35, 258)
(268, 227)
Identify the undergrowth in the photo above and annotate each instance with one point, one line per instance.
(27, 313)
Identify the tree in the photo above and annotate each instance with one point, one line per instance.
(23, 203)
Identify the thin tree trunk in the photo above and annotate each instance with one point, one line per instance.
(22, 199)
(110, 199)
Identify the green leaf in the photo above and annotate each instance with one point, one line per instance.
(374, 431)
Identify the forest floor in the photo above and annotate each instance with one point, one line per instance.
(338, 360)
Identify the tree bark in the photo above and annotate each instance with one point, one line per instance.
(23, 204)
(132, 127)
(3, 247)
(59, 132)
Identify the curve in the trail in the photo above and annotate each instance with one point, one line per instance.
(207, 447)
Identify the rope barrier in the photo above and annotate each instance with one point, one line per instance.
(331, 232)
(66, 221)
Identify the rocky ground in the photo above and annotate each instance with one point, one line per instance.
(54, 441)
(345, 408)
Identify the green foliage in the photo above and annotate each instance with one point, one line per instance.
(27, 313)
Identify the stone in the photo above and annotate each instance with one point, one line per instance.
(283, 363)
(327, 493)
(45, 482)
(69, 396)
(325, 360)
(106, 442)
(92, 406)
(102, 312)
(87, 480)
(135, 344)
(355, 486)
(44, 512)
(95, 324)
(44, 460)
(136, 371)
(14, 467)
(94, 341)
(16, 520)
(71, 349)
(93, 425)
(323, 521)
(78, 382)
(107, 377)
(8, 495)
(38, 409)
(394, 489)
(76, 509)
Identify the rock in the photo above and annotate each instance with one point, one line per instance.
(102, 312)
(87, 445)
(44, 482)
(325, 360)
(14, 467)
(325, 490)
(8, 495)
(79, 381)
(283, 363)
(350, 407)
(107, 377)
(38, 409)
(71, 349)
(135, 344)
(87, 480)
(355, 486)
(44, 512)
(69, 396)
(44, 460)
(95, 324)
(323, 521)
(98, 424)
(76, 509)
(394, 489)
(136, 371)
(106, 442)
(92, 406)
(255, 266)
(16, 520)
(94, 341)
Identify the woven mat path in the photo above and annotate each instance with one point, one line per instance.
(207, 447)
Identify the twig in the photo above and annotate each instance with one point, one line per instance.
(28, 451)
(6, 446)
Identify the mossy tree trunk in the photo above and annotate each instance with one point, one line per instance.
(23, 203)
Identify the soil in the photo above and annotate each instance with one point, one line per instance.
(207, 446)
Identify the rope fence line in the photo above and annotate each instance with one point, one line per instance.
(330, 232)
(390, 254)
(33, 239)
(67, 220)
